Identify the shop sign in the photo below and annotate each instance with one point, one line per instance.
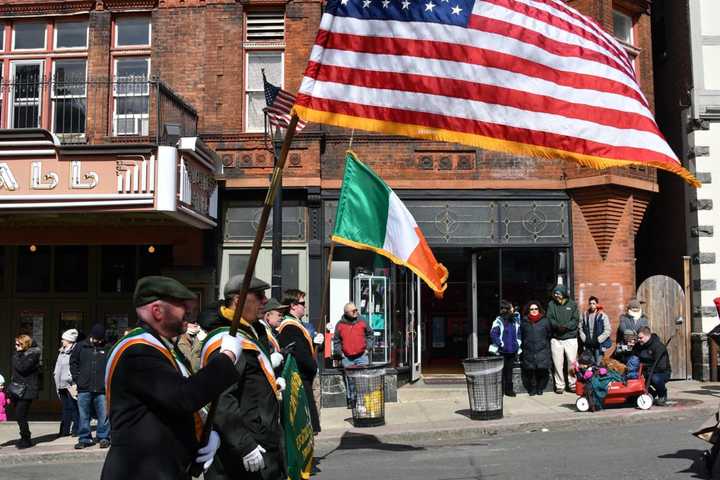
(44, 178)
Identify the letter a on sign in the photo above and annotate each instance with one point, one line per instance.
(7, 179)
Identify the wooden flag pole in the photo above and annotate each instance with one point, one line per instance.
(196, 469)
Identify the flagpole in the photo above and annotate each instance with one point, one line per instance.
(194, 468)
(324, 307)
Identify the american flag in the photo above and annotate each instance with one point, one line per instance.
(530, 77)
(279, 104)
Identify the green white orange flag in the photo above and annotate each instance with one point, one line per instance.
(370, 216)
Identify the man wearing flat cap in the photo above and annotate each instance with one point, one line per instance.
(273, 312)
(248, 413)
(155, 405)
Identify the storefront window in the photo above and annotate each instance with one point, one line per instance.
(33, 269)
(117, 271)
(71, 269)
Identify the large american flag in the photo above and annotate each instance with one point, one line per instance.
(279, 105)
(531, 77)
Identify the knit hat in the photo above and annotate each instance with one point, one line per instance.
(97, 331)
(70, 335)
(561, 290)
(629, 333)
(634, 304)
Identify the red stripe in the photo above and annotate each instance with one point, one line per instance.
(550, 19)
(486, 93)
(470, 55)
(493, 130)
(555, 47)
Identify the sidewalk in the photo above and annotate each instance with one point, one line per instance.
(424, 414)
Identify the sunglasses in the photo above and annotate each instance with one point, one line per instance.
(300, 303)
(354, 310)
(534, 308)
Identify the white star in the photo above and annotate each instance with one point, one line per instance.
(386, 3)
(405, 4)
(366, 3)
(429, 6)
(456, 10)
(344, 2)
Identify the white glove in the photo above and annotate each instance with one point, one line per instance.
(280, 382)
(276, 359)
(253, 461)
(232, 344)
(206, 454)
(319, 339)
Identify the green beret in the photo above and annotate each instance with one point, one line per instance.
(234, 285)
(273, 304)
(149, 289)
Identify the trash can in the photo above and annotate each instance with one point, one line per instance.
(366, 390)
(484, 384)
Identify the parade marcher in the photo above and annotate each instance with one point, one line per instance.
(153, 399)
(505, 337)
(64, 385)
(595, 330)
(634, 319)
(535, 358)
(564, 317)
(190, 343)
(652, 352)
(87, 366)
(23, 388)
(352, 340)
(272, 315)
(248, 413)
(292, 330)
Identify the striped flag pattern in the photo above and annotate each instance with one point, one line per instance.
(530, 77)
(279, 105)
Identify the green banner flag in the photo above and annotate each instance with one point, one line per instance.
(296, 423)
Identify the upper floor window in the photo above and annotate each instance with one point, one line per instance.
(29, 36)
(265, 26)
(257, 62)
(2, 37)
(132, 96)
(72, 34)
(623, 27)
(132, 31)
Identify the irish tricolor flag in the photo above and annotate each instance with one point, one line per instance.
(370, 216)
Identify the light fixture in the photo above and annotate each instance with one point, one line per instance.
(151, 249)
(33, 248)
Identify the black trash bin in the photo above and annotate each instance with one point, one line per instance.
(484, 384)
(368, 401)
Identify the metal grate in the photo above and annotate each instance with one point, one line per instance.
(265, 26)
(366, 391)
(484, 384)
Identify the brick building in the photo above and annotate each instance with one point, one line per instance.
(142, 85)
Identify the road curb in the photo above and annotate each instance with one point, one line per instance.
(29, 457)
(367, 437)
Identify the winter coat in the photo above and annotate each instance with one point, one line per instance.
(190, 346)
(353, 336)
(626, 322)
(87, 366)
(3, 402)
(152, 406)
(536, 344)
(26, 370)
(508, 340)
(597, 334)
(248, 413)
(653, 351)
(61, 374)
(564, 319)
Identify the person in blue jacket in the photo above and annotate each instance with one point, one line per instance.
(506, 341)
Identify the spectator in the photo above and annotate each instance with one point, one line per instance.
(595, 330)
(624, 348)
(535, 358)
(87, 366)
(564, 317)
(505, 337)
(633, 320)
(66, 389)
(190, 343)
(23, 387)
(352, 340)
(652, 352)
(4, 401)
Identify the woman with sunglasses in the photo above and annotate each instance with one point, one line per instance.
(24, 386)
(535, 359)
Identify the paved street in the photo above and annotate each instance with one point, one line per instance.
(659, 450)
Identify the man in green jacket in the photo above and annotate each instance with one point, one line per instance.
(564, 318)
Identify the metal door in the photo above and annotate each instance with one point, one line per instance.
(663, 301)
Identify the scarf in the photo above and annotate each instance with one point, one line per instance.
(534, 317)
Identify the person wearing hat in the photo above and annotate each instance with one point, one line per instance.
(87, 367)
(66, 389)
(248, 413)
(155, 403)
(272, 317)
(633, 320)
(564, 317)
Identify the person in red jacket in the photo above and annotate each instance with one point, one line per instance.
(353, 339)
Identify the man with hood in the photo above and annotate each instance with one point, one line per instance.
(634, 319)
(248, 413)
(564, 317)
(595, 330)
(652, 352)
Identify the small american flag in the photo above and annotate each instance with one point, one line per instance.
(279, 104)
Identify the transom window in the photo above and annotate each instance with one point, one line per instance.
(132, 31)
(73, 34)
(29, 36)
